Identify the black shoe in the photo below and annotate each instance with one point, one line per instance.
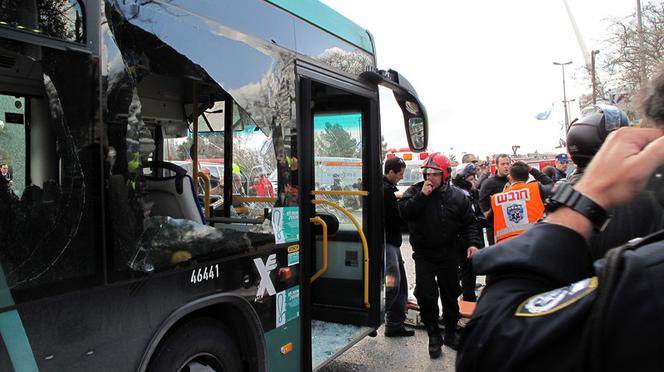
(399, 332)
(435, 341)
(452, 340)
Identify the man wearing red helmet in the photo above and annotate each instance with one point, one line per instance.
(437, 213)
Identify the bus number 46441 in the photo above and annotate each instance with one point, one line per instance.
(204, 273)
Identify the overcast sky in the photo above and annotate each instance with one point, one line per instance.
(483, 68)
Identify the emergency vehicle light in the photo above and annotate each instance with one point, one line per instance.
(287, 348)
(408, 156)
(424, 155)
(390, 156)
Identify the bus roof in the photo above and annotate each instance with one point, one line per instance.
(321, 15)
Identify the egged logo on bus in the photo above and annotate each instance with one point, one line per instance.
(264, 270)
(511, 196)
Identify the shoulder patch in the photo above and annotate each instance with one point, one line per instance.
(552, 301)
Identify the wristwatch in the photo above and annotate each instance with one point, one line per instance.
(567, 196)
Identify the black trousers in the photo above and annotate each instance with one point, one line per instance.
(396, 287)
(468, 279)
(489, 233)
(434, 277)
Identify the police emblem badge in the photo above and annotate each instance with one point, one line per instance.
(515, 213)
(552, 301)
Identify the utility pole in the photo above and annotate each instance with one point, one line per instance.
(564, 92)
(592, 59)
(642, 59)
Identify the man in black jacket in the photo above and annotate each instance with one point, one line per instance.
(396, 284)
(436, 213)
(493, 185)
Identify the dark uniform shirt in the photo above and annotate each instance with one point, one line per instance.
(558, 175)
(535, 311)
(393, 221)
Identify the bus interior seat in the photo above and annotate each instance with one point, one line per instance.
(173, 196)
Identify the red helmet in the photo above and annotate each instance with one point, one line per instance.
(438, 163)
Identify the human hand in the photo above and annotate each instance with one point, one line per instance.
(471, 251)
(427, 188)
(622, 166)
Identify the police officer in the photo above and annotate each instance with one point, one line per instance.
(547, 307)
(586, 135)
(640, 217)
(560, 171)
(436, 213)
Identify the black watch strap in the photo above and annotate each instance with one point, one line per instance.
(566, 195)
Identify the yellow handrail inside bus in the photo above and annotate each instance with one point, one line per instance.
(206, 193)
(365, 247)
(253, 199)
(319, 221)
(340, 192)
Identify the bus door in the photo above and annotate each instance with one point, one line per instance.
(340, 182)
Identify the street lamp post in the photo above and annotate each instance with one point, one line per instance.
(592, 57)
(564, 92)
(642, 62)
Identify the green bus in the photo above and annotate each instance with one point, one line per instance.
(114, 257)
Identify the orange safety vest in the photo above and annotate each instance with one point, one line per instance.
(516, 209)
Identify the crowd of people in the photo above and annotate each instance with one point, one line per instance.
(551, 285)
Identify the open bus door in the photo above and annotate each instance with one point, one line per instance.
(344, 294)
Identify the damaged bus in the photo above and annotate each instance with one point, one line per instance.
(114, 257)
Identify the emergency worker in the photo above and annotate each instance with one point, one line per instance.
(396, 284)
(640, 217)
(496, 183)
(549, 306)
(436, 213)
(519, 206)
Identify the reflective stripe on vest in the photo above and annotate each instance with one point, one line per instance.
(516, 209)
(520, 228)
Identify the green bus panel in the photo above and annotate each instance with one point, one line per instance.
(279, 337)
(328, 19)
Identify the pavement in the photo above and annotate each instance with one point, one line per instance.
(395, 354)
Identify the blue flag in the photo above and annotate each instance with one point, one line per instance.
(544, 115)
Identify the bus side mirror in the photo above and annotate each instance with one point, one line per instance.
(415, 130)
(414, 113)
